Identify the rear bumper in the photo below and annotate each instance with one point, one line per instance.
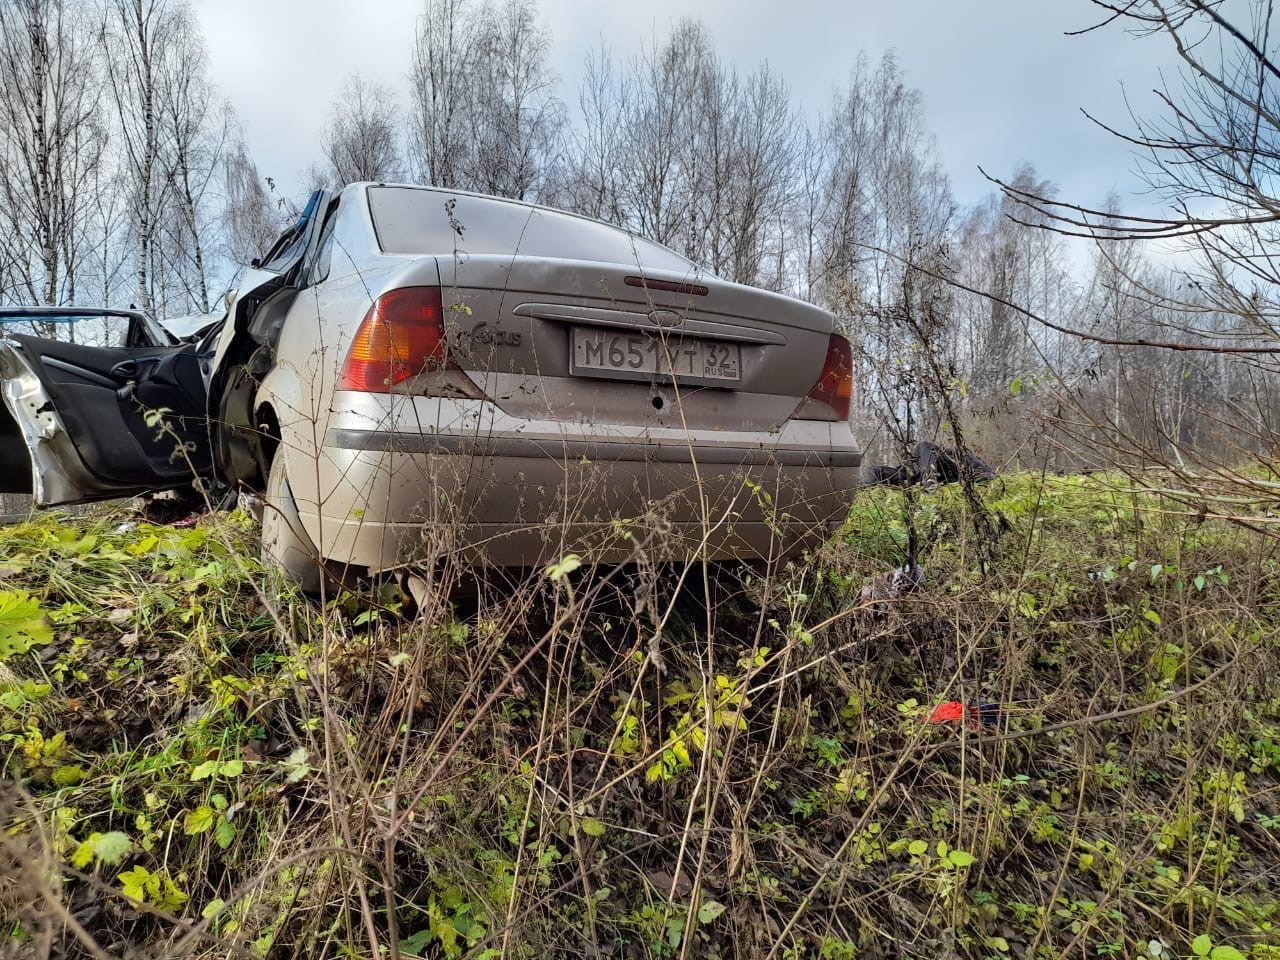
(647, 450)
(396, 496)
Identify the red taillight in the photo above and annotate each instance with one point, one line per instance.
(835, 383)
(401, 336)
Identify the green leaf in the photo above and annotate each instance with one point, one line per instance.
(1200, 945)
(221, 768)
(22, 624)
(145, 545)
(415, 944)
(83, 855)
(917, 847)
(213, 907)
(224, 833)
(169, 896)
(69, 776)
(1199, 581)
(565, 567)
(1015, 386)
(591, 827)
(675, 931)
(112, 847)
(1225, 952)
(133, 882)
(709, 911)
(1151, 616)
(198, 820)
(297, 765)
(961, 858)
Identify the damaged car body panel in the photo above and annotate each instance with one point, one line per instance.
(35, 442)
(246, 436)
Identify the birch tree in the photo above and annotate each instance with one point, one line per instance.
(136, 35)
(483, 112)
(360, 138)
(440, 92)
(172, 130)
(250, 222)
(592, 184)
(197, 126)
(1210, 152)
(51, 143)
(514, 120)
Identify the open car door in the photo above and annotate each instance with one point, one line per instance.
(100, 421)
(103, 421)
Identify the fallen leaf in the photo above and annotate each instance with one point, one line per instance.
(709, 911)
(663, 881)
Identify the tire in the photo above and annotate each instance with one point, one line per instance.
(286, 548)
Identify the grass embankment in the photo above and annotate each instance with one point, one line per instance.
(606, 766)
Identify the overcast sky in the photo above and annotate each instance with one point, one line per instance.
(1001, 83)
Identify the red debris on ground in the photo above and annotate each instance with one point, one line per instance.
(974, 716)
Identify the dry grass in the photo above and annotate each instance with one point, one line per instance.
(647, 761)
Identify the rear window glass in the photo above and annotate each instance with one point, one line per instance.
(420, 221)
(90, 331)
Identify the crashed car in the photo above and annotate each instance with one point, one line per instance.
(412, 370)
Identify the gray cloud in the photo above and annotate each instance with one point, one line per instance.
(1002, 84)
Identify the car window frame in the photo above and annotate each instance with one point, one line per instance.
(290, 246)
(141, 330)
(317, 266)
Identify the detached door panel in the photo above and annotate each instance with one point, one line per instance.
(135, 416)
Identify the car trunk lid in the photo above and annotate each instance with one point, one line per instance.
(614, 343)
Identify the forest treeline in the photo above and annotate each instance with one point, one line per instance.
(125, 179)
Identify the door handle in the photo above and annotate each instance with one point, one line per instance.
(125, 370)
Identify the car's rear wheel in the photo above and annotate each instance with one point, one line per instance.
(285, 544)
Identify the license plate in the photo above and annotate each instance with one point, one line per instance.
(636, 356)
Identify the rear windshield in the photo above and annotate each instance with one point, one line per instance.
(415, 221)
